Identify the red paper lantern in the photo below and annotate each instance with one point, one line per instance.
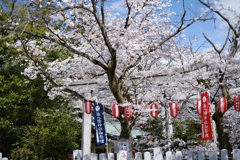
(128, 112)
(236, 103)
(222, 105)
(174, 109)
(115, 111)
(199, 107)
(88, 107)
(154, 110)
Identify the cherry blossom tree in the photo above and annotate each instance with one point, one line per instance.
(129, 55)
(227, 70)
(231, 123)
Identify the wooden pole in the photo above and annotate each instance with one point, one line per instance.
(86, 134)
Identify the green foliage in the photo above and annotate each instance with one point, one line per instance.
(154, 126)
(53, 132)
(52, 55)
(153, 133)
(38, 127)
(189, 131)
(206, 83)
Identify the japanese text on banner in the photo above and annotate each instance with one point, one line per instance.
(99, 124)
(206, 117)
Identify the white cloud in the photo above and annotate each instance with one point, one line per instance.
(118, 5)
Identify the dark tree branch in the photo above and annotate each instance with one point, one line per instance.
(73, 7)
(13, 7)
(219, 14)
(102, 12)
(48, 77)
(155, 47)
(103, 30)
(57, 41)
(128, 14)
(214, 46)
(179, 29)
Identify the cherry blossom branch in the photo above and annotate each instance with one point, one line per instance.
(236, 31)
(214, 46)
(73, 7)
(130, 67)
(179, 29)
(58, 41)
(104, 33)
(48, 77)
(219, 14)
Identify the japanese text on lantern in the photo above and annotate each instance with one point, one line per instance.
(206, 117)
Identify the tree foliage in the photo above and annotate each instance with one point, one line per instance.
(24, 105)
(153, 134)
(52, 134)
(188, 131)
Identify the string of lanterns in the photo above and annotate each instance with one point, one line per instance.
(128, 110)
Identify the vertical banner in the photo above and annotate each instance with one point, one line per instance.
(99, 124)
(206, 117)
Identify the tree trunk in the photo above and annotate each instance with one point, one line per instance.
(125, 129)
(222, 138)
(114, 84)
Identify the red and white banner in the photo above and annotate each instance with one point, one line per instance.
(198, 107)
(88, 107)
(128, 112)
(206, 117)
(115, 110)
(174, 109)
(222, 105)
(236, 100)
(154, 110)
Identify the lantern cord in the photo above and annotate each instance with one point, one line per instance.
(136, 96)
(97, 96)
(88, 94)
